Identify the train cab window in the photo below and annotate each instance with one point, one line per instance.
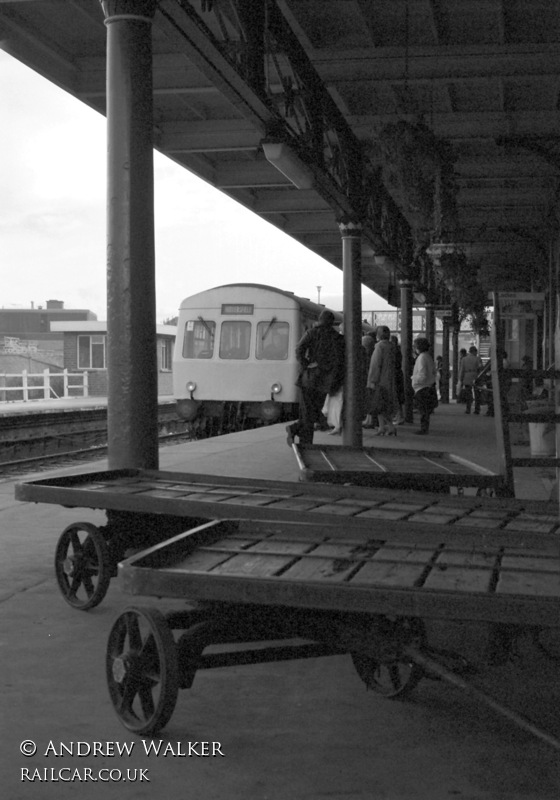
(272, 340)
(235, 338)
(199, 338)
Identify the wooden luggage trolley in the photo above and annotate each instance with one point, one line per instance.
(339, 569)
(429, 471)
(505, 416)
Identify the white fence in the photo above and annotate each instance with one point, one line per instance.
(44, 385)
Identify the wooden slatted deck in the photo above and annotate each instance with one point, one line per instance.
(376, 466)
(334, 547)
(348, 507)
(303, 565)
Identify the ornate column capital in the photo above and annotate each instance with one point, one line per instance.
(143, 10)
(350, 228)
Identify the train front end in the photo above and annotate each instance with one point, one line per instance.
(234, 363)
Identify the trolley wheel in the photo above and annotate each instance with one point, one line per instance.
(82, 565)
(142, 670)
(391, 679)
(547, 641)
(394, 675)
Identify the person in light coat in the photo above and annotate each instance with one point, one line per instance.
(424, 383)
(382, 383)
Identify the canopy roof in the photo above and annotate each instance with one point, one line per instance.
(325, 77)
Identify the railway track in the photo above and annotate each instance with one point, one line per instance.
(70, 457)
(45, 440)
(48, 439)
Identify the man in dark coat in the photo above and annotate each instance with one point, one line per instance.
(320, 353)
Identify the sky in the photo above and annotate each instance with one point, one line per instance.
(53, 216)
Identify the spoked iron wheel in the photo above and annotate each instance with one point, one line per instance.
(547, 641)
(393, 679)
(142, 670)
(82, 565)
(397, 676)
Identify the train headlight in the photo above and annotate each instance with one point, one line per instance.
(191, 386)
(276, 388)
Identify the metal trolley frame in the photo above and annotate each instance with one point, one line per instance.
(337, 569)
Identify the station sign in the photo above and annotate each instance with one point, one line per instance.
(521, 303)
(531, 296)
(244, 309)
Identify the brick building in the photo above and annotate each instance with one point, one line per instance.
(85, 347)
(28, 330)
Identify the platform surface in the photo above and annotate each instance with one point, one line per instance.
(18, 407)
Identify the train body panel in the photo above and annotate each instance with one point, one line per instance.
(236, 345)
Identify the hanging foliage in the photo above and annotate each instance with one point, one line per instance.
(418, 170)
(461, 281)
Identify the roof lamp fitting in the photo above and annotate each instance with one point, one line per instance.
(281, 156)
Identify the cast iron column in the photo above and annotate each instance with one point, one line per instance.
(131, 316)
(455, 359)
(444, 386)
(406, 348)
(351, 234)
(431, 326)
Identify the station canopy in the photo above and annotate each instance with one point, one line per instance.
(425, 122)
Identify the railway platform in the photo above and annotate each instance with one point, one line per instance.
(60, 404)
(263, 452)
(299, 729)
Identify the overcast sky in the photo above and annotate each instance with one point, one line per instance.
(52, 220)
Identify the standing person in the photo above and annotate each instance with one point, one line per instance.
(460, 394)
(381, 380)
(439, 370)
(489, 391)
(471, 364)
(368, 346)
(320, 353)
(333, 410)
(399, 381)
(369, 341)
(424, 383)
